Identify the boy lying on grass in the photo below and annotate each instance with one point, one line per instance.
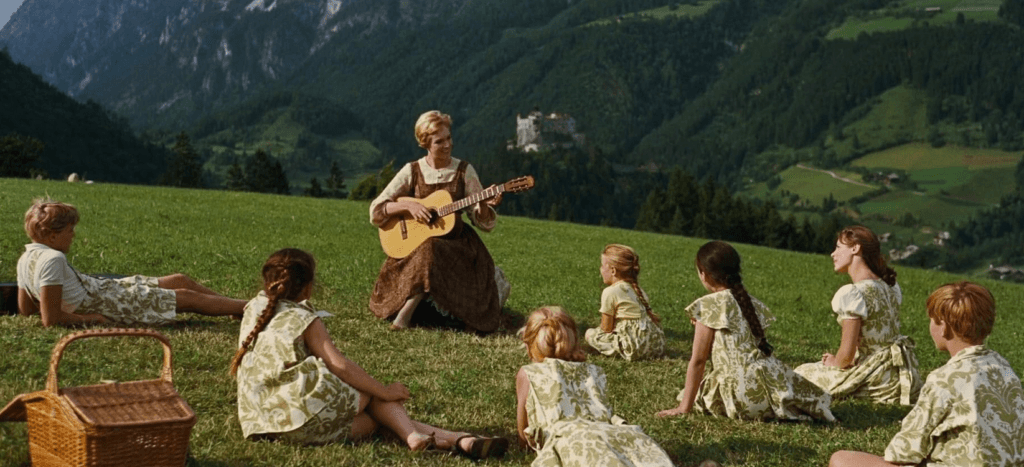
(971, 410)
(49, 286)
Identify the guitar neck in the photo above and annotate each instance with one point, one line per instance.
(471, 200)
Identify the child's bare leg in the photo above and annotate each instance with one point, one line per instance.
(857, 459)
(363, 424)
(445, 438)
(404, 316)
(205, 304)
(393, 416)
(181, 281)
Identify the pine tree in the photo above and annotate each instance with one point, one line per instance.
(335, 182)
(264, 174)
(314, 189)
(235, 178)
(183, 168)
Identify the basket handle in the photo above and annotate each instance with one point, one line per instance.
(58, 350)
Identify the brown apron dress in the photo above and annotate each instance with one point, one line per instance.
(455, 270)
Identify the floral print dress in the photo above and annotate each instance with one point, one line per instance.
(743, 383)
(634, 337)
(284, 391)
(970, 414)
(570, 422)
(885, 367)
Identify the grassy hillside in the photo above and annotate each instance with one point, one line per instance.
(458, 380)
(904, 14)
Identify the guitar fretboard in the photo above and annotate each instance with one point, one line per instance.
(471, 200)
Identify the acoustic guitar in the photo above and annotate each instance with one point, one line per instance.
(401, 233)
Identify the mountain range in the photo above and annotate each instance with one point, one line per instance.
(166, 64)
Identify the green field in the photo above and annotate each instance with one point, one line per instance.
(458, 380)
(898, 114)
(919, 156)
(813, 186)
(969, 175)
(900, 15)
(934, 211)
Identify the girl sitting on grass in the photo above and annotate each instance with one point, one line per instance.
(561, 408)
(628, 327)
(746, 382)
(295, 386)
(49, 286)
(873, 361)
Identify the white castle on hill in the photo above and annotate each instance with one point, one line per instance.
(537, 132)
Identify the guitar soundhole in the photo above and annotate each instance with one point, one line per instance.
(433, 216)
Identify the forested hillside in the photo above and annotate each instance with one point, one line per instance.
(793, 87)
(83, 138)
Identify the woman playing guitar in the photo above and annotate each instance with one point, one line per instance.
(455, 271)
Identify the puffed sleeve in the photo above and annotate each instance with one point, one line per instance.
(914, 442)
(712, 310)
(473, 186)
(399, 186)
(848, 303)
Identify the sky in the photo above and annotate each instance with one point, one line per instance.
(7, 8)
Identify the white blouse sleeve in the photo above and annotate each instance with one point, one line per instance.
(473, 186)
(399, 186)
(848, 303)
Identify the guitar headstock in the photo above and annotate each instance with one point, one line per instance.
(519, 184)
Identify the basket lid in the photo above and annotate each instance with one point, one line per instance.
(16, 410)
(130, 403)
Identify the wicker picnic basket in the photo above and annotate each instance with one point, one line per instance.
(136, 423)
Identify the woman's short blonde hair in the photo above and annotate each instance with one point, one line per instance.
(968, 309)
(429, 123)
(551, 333)
(47, 217)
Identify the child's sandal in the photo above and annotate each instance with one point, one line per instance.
(482, 447)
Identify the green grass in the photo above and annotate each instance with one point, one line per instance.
(898, 114)
(458, 380)
(896, 16)
(920, 156)
(813, 186)
(934, 211)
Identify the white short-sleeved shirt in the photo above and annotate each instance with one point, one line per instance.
(620, 301)
(41, 266)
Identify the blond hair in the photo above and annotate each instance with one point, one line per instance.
(428, 124)
(46, 217)
(551, 333)
(968, 309)
(626, 265)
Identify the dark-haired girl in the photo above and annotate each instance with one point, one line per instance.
(874, 360)
(295, 386)
(746, 382)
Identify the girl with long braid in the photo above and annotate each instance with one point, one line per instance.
(746, 381)
(874, 360)
(295, 386)
(628, 327)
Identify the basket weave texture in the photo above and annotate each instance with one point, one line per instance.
(137, 423)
